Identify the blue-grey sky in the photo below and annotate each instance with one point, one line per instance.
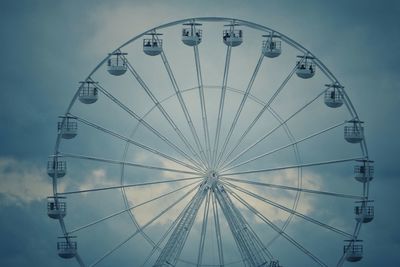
(49, 46)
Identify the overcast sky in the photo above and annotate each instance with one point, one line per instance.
(47, 47)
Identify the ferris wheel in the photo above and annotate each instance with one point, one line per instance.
(211, 142)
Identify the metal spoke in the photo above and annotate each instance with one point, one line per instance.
(239, 111)
(149, 127)
(285, 146)
(184, 107)
(111, 161)
(270, 132)
(217, 230)
(288, 210)
(221, 104)
(265, 107)
(297, 189)
(116, 247)
(295, 166)
(163, 111)
(127, 186)
(129, 208)
(203, 229)
(126, 139)
(278, 230)
(202, 103)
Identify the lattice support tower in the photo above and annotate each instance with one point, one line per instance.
(253, 252)
(172, 250)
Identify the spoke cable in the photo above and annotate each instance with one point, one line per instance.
(202, 103)
(138, 144)
(285, 146)
(296, 166)
(221, 104)
(240, 108)
(288, 210)
(149, 127)
(127, 186)
(293, 188)
(277, 229)
(265, 107)
(108, 253)
(129, 208)
(224, 164)
(184, 107)
(111, 161)
(164, 112)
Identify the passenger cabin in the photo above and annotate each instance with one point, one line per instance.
(67, 127)
(354, 132)
(305, 67)
(152, 46)
(271, 47)
(333, 95)
(353, 250)
(364, 172)
(117, 64)
(56, 207)
(56, 168)
(364, 213)
(231, 36)
(88, 92)
(67, 249)
(191, 35)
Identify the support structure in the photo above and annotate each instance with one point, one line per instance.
(171, 251)
(253, 252)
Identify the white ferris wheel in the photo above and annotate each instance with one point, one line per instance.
(221, 145)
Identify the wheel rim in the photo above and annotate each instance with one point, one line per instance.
(285, 39)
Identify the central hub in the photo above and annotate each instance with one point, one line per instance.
(212, 178)
(212, 174)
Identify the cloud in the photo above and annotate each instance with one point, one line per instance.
(23, 182)
(285, 198)
(141, 194)
(95, 179)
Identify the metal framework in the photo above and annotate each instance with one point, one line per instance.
(218, 182)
